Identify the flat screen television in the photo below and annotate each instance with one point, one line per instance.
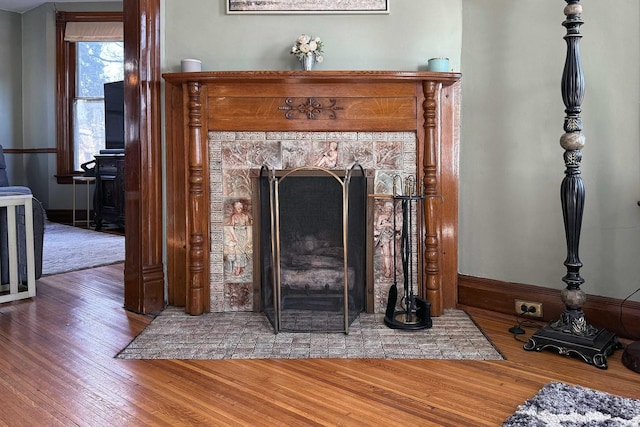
(114, 117)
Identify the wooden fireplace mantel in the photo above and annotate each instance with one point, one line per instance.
(308, 101)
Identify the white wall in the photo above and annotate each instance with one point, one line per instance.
(10, 91)
(39, 89)
(511, 226)
(405, 39)
(38, 93)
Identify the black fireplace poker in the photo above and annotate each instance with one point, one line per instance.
(416, 312)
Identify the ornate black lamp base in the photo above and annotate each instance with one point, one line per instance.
(593, 349)
(412, 320)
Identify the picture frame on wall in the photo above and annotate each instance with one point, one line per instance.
(307, 6)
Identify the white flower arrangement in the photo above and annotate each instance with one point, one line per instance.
(308, 46)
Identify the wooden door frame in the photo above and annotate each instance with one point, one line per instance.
(143, 268)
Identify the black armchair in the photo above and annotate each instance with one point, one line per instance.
(38, 229)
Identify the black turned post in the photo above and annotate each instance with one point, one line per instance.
(572, 334)
(572, 189)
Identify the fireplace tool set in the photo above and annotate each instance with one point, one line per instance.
(415, 312)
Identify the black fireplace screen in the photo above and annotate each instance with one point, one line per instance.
(312, 245)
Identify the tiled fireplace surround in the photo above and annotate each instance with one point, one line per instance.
(222, 126)
(232, 158)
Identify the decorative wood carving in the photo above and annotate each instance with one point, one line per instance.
(311, 108)
(427, 103)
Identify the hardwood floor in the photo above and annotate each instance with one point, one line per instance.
(57, 367)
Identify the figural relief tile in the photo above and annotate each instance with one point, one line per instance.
(238, 257)
(243, 154)
(238, 246)
(326, 155)
(237, 183)
(295, 153)
(238, 297)
(386, 236)
(237, 212)
(359, 151)
(234, 155)
(388, 154)
(264, 152)
(384, 182)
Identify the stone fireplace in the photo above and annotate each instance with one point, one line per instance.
(223, 126)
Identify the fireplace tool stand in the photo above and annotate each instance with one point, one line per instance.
(416, 311)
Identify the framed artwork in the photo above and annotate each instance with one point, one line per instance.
(307, 6)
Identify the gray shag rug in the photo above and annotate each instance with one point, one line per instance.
(562, 405)
(67, 248)
(248, 335)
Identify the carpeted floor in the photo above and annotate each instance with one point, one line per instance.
(559, 404)
(69, 248)
(247, 335)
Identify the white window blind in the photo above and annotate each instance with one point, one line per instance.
(94, 32)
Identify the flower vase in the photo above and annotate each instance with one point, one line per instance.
(308, 61)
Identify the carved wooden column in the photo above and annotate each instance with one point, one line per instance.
(432, 285)
(572, 334)
(198, 284)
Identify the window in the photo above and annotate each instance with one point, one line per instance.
(90, 52)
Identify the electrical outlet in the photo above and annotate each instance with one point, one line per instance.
(528, 308)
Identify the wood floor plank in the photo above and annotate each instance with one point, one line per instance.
(57, 367)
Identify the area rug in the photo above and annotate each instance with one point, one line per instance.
(247, 335)
(67, 248)
(559, 404)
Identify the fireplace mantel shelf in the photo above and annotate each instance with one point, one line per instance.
(426, 103)
(312, 75)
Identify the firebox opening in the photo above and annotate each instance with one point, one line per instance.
(313, 248)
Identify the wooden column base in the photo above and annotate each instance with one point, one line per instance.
(631, 356)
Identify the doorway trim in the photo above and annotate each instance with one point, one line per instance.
(143, 268)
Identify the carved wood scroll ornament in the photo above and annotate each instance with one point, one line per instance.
(312, 108)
